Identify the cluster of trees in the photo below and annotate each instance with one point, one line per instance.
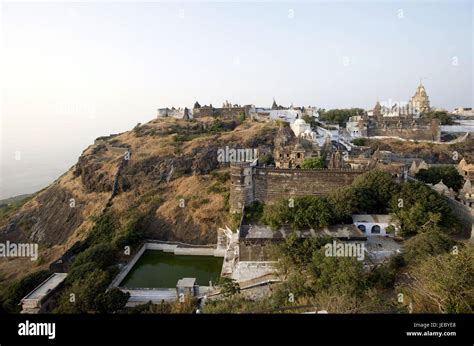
(339, 116)
(450, 176)
(359, 141)
(433, 274)
(95, 263)
(443, 116)
(414, 206)
(314, 162)
(86, 284)
(369, 193)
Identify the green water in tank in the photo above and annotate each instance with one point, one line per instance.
(158, 269)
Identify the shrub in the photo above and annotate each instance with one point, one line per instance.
(314, 162)
(102, 255)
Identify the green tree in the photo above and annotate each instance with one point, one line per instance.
(82, 295)
(103, 255)
(418, 208)
(229, 287)
(430, 243)
(266, 159)
(450, 176)
(376, 189)
(314, 162)
(444, 117)
(340, 116)
(344, 275)
(443, 283)
(111, 301)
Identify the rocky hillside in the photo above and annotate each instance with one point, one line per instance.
(161, 179)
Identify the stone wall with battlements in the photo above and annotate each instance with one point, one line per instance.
(225, 113)
(419, 129)
(269, 185)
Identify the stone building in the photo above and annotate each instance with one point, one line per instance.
(398, 120)
(178, 113)
(420, 101)
(466, 194)
(291, 151)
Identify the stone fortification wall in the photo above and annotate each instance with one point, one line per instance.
(269, 185)
(274, 184)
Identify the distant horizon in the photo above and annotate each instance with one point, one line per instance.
(72, 72)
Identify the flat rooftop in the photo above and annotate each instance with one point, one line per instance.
(46, 286)
(186, 282)
(349, 231)
(371, 218)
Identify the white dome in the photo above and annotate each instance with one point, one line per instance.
(300, 122)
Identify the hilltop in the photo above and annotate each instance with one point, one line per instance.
(171, 163)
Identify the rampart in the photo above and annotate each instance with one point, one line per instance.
(269, 185)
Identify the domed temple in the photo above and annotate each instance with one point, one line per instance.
(420, 101)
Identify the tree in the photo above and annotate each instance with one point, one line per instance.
(103, 255)
(304, 212)
(359, 141)
(430, 243)
(82, 295)
(450, 176)
(266, 159)
(418, 208)
(344, 275)
(346, 201)
(443, 116)
(229, 287)
(112, 301)
(443, 283)
(314, 162)
(340, 116)
(376, 189)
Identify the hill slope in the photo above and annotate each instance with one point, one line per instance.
(172, 163)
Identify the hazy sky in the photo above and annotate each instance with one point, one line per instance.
(73, 72)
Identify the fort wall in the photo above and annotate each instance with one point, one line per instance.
(269, 185)
(415, 129)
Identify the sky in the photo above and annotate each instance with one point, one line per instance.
(71, 72)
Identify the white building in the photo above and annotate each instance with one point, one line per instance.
(465, 111)
(374, 224)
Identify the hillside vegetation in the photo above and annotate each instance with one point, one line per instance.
(171, 188)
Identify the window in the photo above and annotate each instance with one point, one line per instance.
(298, 155)
(375, 229)
(361, 227)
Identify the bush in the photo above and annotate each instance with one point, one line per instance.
(340, 116)
(229, 287)
(443, 283)
(422, 208)
(266, 159)
(430, 243)
(360, 142)
(111, 301)
(85, 291)
(307, 212)
(450, 176)
(254, 211)
(102, 255)
(314, 162)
